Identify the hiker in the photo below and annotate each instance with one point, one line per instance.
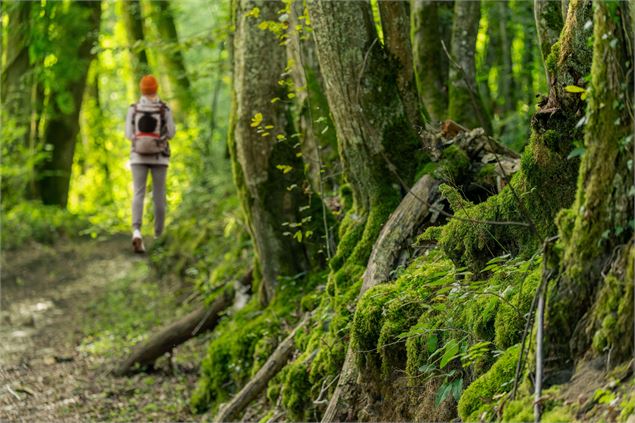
(150, 126)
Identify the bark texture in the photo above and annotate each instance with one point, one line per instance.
(372, 126)
(465, 104)
(549, 22)
(431, 22)
(16, 78)
(311, 111)
(267, 169)
(597, 223)
(62, 124)
(395, 24)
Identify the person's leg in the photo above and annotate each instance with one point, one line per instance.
(159, 174)
(139, 179)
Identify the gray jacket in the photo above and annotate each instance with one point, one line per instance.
(155, 159)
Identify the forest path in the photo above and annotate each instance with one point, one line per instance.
(69, 312)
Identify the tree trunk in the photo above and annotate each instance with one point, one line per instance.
(16, 75)
(549, 23)
(62, 124)
(506, 86)
(311, 110)
(547, 180)
(465, 104)
(529, 46)
(373, 130)
(267, 168)
(171, 57)
(598, 221)
(395, 24)
(133, 21)
(429, 19)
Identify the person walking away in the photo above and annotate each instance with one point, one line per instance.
(149, 126)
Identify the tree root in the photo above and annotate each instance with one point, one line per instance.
(400, 226)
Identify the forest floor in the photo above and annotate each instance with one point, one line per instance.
(69, 313)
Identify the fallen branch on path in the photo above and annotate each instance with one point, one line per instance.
(202, 319)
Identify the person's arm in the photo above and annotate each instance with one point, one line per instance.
(169, 124)
(129, 126)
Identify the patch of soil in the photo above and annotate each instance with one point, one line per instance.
(44, 374)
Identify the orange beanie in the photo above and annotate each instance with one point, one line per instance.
(148, 85)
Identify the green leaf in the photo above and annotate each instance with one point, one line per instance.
(444, 391)
(284, 168)
(426, 368)
(457, 388)
(433, 342)
(577, 152)
(451, 350)
(256, 120)
(574, 89)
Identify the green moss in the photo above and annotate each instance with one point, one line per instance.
(511, 314)
(552, 59)
(242, 343)
(367, 324)
(455, 163)
(482, 391)
(296, 397)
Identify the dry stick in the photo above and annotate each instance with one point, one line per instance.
(146, 353)
(539, 357)
(167, 338)
(259, 382)
(546, 275)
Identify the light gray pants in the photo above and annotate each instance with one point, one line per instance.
(139, 179)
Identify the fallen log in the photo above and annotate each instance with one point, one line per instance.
(203, 319)
(401, 224)
(259, 382)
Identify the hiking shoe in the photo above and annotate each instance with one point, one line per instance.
(137, 243)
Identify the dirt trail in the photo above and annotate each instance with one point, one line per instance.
(45, 375)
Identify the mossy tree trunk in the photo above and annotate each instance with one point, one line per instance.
(133, 21)
(431, 21)
(377, 143)
(62, 117)
(599, 220)
(549, 23)
(465, 104)
(395, 24)
(267, 169)
(311, 111)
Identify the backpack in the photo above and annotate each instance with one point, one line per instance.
(148, 122)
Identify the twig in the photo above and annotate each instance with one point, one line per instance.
(320, 400)
(546, 275)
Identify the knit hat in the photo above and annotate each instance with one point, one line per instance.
(148, 85)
